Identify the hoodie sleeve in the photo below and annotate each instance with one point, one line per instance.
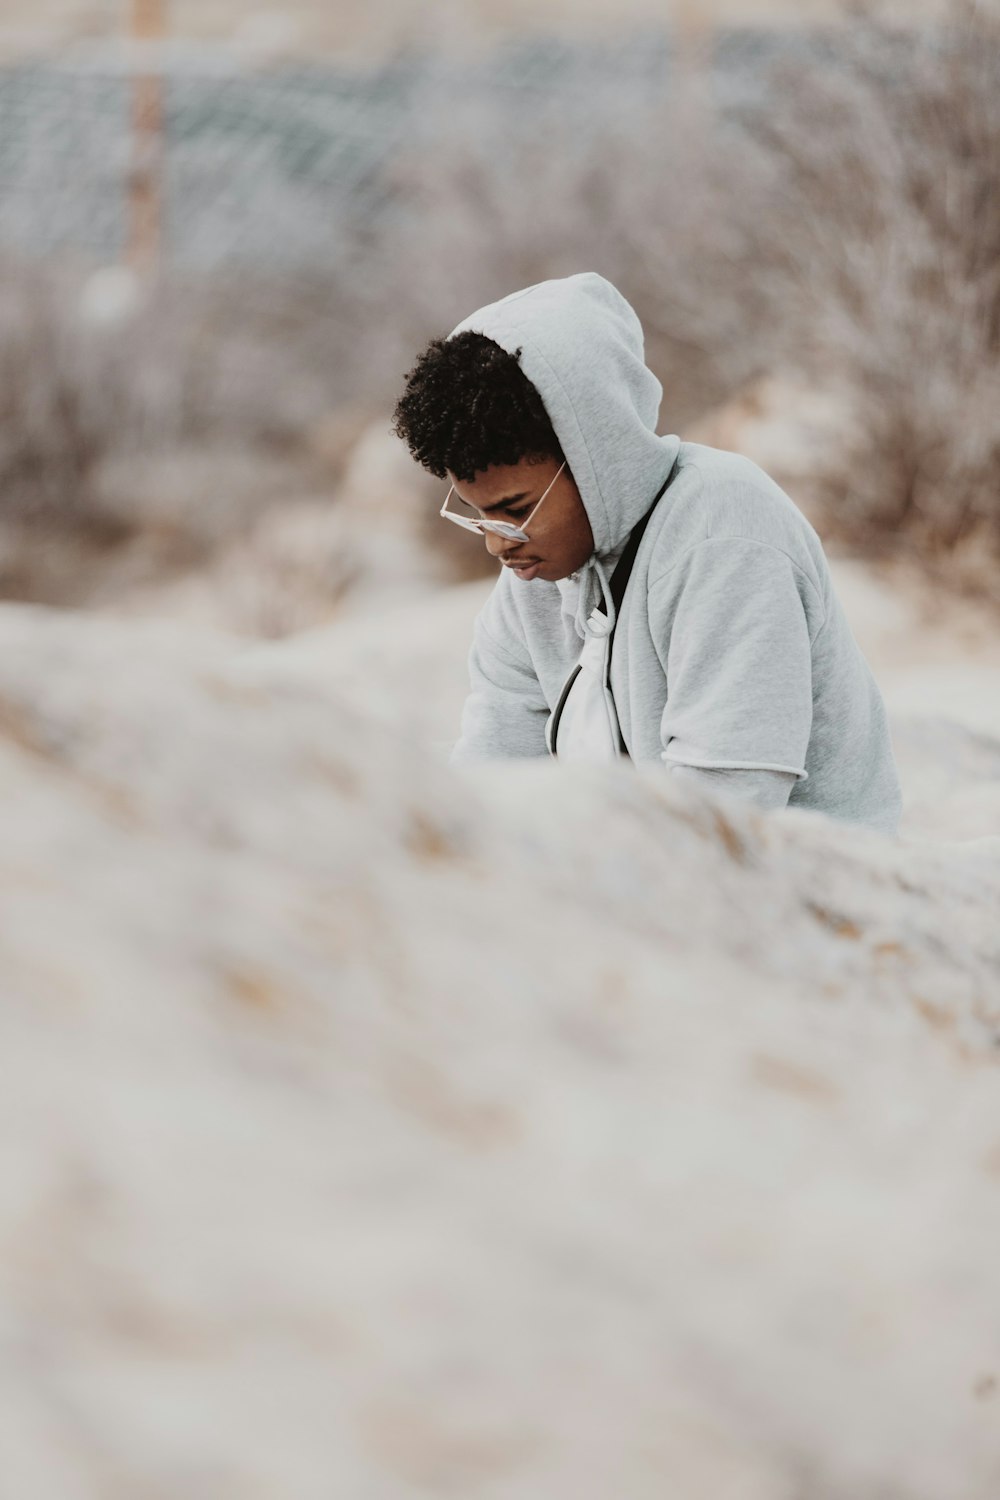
(505, 712)
(765, 789)
(739, 619)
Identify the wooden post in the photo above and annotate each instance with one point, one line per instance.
(692, 36)
(145, 207)
(691, 27)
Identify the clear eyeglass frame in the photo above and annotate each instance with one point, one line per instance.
(505, 529)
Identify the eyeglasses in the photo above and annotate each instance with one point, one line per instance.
(500, 528)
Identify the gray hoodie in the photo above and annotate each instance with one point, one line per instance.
(732, 652)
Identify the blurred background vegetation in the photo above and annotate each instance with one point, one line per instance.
(225, 232)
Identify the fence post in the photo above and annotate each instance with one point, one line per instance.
(145, 188)
(691, 28)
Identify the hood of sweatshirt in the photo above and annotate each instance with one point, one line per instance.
(581, 346)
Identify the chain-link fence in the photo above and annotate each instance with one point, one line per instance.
(280, 169)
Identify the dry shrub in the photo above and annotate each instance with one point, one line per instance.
(58, 399)
(188, 361)
(883, 251)
(833, 215)
(141, 440)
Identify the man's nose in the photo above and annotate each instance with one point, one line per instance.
(499, 546)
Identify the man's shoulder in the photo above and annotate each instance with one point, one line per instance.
(719, 495)
(729, 490)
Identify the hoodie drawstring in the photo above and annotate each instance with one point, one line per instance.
(609, 603)
(592, 582)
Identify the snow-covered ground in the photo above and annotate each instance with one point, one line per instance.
(372, 1130)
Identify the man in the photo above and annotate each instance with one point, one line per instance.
(731, 660)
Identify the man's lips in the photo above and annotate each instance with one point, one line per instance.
(525, 570)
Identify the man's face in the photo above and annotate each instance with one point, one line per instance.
(560, 536)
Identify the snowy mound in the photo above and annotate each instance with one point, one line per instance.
(376, 1131)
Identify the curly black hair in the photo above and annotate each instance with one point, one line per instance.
(467, 405)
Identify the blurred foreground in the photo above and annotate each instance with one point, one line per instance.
(543, 1131)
